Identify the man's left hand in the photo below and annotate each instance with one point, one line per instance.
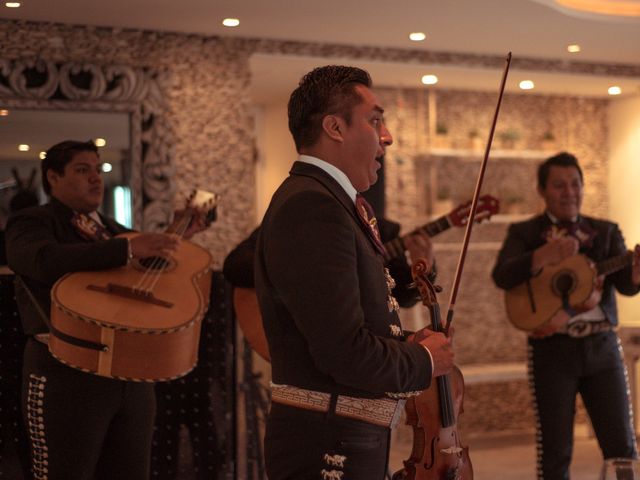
(197, 224)
(419, 245)
(635, 272)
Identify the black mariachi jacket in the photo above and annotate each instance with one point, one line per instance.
(514, 260)
(323, 296)
(43, 245)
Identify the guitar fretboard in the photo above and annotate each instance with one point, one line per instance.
(613, 264)
(395, 247)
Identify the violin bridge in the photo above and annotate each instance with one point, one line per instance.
(451, 450)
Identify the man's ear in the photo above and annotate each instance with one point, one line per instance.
(53, 177)
(333, 126)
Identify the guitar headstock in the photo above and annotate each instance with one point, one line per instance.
(487, 206)
(203, 201)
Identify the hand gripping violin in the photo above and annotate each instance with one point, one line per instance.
(437, 451)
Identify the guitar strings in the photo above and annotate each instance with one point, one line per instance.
(152, 273)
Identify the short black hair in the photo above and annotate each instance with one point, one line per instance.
(59, 155)
(562, 159)
(323, 91)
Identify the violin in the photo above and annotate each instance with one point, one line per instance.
(437, 452)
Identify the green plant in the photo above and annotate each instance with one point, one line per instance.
(512, 198)
(441, 129)
(443, 193)
(511, 134)
(548, 136)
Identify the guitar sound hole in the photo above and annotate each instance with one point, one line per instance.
(564, 283)
(154, 263)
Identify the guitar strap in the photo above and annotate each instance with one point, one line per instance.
(78, 342)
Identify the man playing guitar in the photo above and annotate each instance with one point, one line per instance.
(577, 350)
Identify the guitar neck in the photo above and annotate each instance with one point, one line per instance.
(613, 264)
(180, 226)
(396, 247)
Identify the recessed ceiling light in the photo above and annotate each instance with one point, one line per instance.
(12, 4)
(417, 36)
(100, 142)
(231, 22)
(107, 167)
(23, 147)
(42, 155)
(575, 48)
(4, 113)
(526, 85)
(429, 79)
(615, 90)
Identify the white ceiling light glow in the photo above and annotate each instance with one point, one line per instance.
(417, 36)
(100, 142)
(429, 79)
(526, 85)
(575, 48)
(12, 4)
(23, 147)
(615, 90)
(230, 22)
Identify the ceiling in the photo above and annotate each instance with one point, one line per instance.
(538, 29)
(534, 29)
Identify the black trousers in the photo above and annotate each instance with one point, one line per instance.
(560, 367)
(82, 426)
(306, 445)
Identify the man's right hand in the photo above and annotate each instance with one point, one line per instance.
(555, 323)
(554, 251)
(440, 348)
(153, 245)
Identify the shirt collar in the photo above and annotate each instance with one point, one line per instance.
(337, 174)
(555, 220)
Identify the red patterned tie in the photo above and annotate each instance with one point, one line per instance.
(89, 228)
(368, 219)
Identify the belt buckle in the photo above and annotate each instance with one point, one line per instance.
(580, 329)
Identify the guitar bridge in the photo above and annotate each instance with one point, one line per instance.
(129, 292)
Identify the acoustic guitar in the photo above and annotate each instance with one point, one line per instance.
(140, 322)
(532, 304)
(245, 301)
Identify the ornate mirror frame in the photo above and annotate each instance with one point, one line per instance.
(43, 84)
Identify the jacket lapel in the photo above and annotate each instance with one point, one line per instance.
(322, 177)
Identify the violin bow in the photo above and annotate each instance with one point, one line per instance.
(474, 202)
